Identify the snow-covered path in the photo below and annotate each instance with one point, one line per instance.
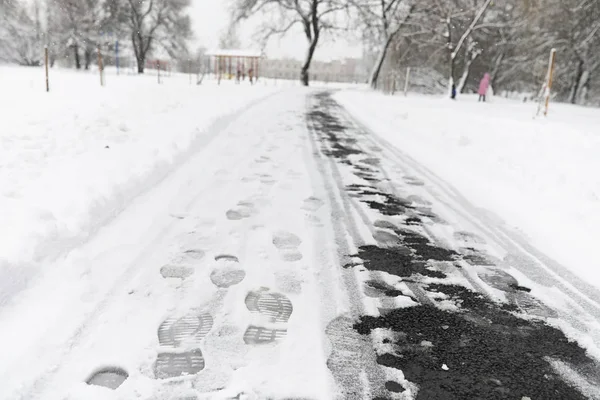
(248, 196)
(298, 255)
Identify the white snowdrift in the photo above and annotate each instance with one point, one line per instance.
(73, 158)
(538, 175)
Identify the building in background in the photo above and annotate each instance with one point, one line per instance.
(349, 70)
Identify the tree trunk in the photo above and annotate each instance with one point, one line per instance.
(304, 78)
(582, 88)
(496, 69)
(140, 55)
(470, 57)
(77, 60)
(451, 80)
(88, 58)
(451, 59)
(141, 61)
(575, 85)
(379, 64)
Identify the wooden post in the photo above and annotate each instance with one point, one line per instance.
(216, 70)
(158, 70)
(407, 80)
(257, 66)
(47, 73)
(100, 66)
(550, 80)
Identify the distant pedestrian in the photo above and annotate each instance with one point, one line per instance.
(484, 85)
(251, 76)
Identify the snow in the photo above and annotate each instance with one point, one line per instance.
(73, 158)
(538, 176)
(100, 304)
(228, 171)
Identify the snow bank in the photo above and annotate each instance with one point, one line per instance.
(73, 158)
(539, 175)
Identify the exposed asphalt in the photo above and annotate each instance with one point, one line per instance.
(481, 349)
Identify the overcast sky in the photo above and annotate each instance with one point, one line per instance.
(211, 18)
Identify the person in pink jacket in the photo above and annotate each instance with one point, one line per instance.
(484, 86)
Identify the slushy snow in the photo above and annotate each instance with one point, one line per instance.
(539, 176)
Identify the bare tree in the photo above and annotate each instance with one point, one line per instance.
(579, 38)
(78, 25)
(151, 24)
(314, 16)
(21, 38)
(230, 38)
(452, 23)
(383, 20)
(510, 39)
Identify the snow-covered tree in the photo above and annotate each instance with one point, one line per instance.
(382, 20)
(151, 24)
(230, 39)
(21, 35)
(78, 27)
(578, 40)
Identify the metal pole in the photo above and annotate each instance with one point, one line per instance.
(406, 81)
(47, 73)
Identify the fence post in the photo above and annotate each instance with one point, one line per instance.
(158, 70)
(47, 73)
(100, 66)
(407, 80)
(550, 79)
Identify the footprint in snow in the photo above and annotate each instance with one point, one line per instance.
(187, 330)
(411, 180)
(111, 377)
(312, 205)
(385, 224)
(263, 159)
(469, 237)
(388, 240)
(418, 200)
(267, 179)
(243, 210)
(273, 311)
(176, 272)
(180, 268)
(287, 243)
(175, 365)
(182, 333)
(227, 272)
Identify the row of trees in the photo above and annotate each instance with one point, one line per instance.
(460, 39)
(74, 28)
(511, 40)
(457, 39)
